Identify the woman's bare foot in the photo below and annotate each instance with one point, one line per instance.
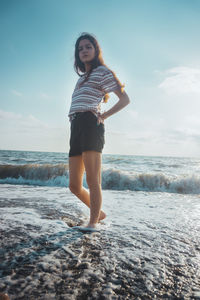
(102, 216)
(90, 225)
(4, 296)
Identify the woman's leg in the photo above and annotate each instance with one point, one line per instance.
(92, 162)
(76, 171)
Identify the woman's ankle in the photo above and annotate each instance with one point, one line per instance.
(92, 225)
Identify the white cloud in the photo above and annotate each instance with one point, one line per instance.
(7, 115)
(156, 134)
(182, 80)
(133, 113)
(16, 93)
(147, 135)
(194, 121)
(29, 133)
(19, 120)
(44, 95)
(41, 95)
(32, 122)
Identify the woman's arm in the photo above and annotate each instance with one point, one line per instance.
(123, 101)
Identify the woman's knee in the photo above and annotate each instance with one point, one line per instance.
(92, 181)
(75, 188)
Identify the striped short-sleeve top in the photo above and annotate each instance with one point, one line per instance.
(88, 96)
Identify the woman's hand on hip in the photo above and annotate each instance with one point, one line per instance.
(101, 118)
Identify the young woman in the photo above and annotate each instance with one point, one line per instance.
(87, 123)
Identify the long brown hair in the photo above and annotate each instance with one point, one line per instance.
(97, 61)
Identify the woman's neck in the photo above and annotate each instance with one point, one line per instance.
(87, 67)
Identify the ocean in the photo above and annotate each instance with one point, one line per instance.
(148, 246)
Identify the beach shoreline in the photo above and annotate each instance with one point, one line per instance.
(141, 255)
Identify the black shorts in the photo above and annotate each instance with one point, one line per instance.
(86, 134)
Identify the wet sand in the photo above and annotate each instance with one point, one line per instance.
(146, 253)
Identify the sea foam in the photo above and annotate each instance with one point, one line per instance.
(112, 179)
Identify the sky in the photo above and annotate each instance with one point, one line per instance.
(153, 46)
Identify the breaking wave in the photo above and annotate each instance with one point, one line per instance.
(112, 179)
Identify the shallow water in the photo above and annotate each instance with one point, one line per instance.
(148, 247)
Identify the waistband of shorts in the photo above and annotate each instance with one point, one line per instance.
(76, 114)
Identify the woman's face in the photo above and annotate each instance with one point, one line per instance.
(86, 51)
